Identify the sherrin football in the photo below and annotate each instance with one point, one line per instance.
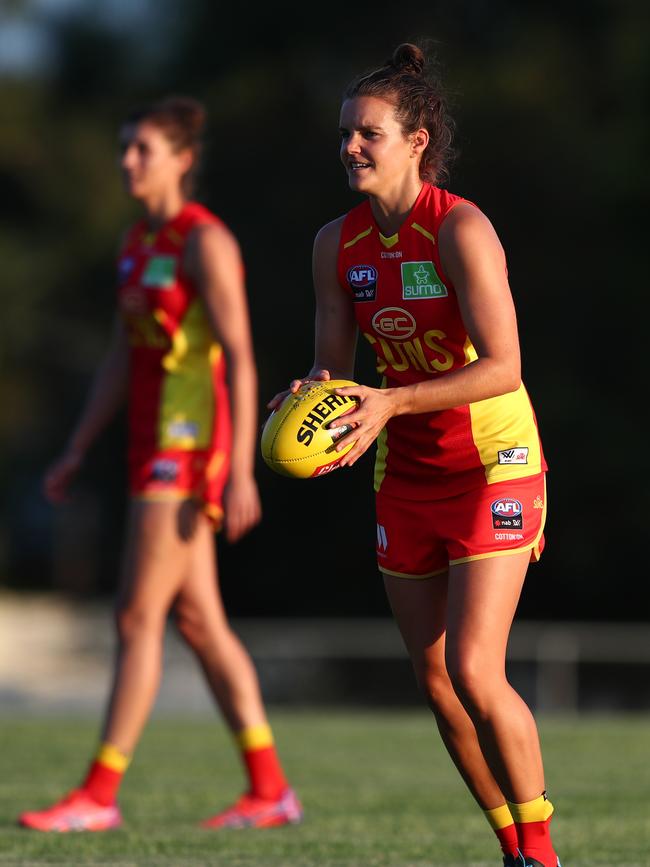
(296, 441)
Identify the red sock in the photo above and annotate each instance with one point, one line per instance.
(501, 822)
(533, 820)
(105, 775)
(508, 839)
(535, 841)
(265, 774)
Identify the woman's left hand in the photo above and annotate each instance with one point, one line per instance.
(242, 507)
(376, 406)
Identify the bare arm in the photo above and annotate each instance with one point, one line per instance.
(106, 395)
(214, 261)
(472, 256)
(335, 327)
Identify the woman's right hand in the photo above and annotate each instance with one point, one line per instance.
(296, 384)
(60, 474)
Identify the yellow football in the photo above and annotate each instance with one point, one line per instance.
(296, 440)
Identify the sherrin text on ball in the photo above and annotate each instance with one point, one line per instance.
(297, 439)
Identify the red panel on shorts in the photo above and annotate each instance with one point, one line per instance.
(418, 539)
(175, 474)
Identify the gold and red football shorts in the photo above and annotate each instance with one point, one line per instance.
(176, 474)
(422, 538)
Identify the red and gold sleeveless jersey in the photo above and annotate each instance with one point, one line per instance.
(177, 371)
(407, 309)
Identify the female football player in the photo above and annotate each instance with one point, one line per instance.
(182, 352)
(459, 471)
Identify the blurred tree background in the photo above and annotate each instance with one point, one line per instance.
(551, 104)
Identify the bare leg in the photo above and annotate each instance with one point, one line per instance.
(156, 561)
(483, 597)
(419, 607)
(202, 622)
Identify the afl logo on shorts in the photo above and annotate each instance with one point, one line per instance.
(507, 512)
(362, 280)
(164, 470)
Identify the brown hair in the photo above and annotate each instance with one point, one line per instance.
(420, 102)
(182, 120)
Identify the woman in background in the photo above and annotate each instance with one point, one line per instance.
(182, 353)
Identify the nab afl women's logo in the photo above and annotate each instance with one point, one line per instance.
(362, 280)
(506, 512)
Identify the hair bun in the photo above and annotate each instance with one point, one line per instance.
(409, 58)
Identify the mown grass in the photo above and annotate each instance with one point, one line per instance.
(377, 787)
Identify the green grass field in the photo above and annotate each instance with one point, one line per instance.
(377, 787)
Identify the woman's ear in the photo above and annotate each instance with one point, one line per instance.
(419, 141)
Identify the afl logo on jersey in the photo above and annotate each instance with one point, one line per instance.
(124, 268)
(362, 280)
(507, 512)
(394, 322)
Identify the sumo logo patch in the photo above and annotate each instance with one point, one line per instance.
(518, 455)
(160, 272)
(421, 280)
(507, 514)
(362, 280)
(164, 470)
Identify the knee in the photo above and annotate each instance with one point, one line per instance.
(437, 688)
(192, 626)
(134, 621)
(473, 682)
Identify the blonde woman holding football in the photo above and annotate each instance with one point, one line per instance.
(459, 471)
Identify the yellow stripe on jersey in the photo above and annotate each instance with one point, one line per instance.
(255, 737)
(382, 451)
(501, 423)
(470, 353)
(187, 396)
(389, 241)
(175, 237)
(358, 237)
(423, 231)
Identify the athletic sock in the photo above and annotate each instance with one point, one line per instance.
(265, 775)
(533, 820)
(105, 774)
(503, 825)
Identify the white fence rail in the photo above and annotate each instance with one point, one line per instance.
(56, 655)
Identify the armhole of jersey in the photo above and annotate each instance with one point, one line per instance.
(127, 237)
(442, 273)
(207, 218)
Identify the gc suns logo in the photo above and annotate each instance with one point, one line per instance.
(362, 280)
